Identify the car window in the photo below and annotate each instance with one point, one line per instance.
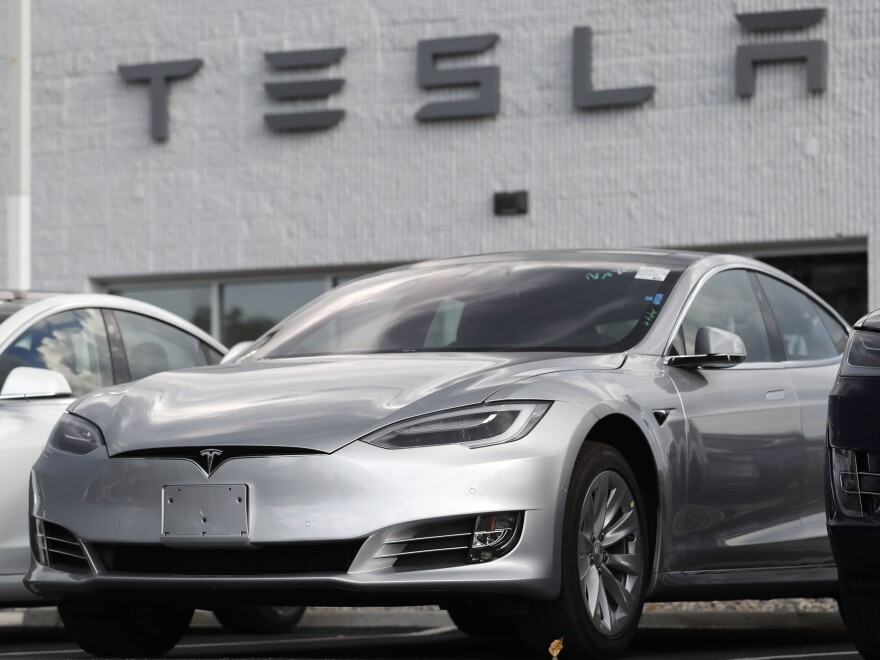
(352, 327)
(839, 332)
(152, 346)
(591, 307)
(804, 334)
(727, 301)
(72, 343)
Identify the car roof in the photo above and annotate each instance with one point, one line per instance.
(29, 307)
(678, 258)
(870, 321)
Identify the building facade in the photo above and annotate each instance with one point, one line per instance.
(230, 159)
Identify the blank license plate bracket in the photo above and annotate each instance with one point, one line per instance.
(216, 511)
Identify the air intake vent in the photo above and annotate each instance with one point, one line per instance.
(437, 546)
(59, 549)
(285, 559)
(858, 475)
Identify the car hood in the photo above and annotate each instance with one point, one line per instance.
(313, 404)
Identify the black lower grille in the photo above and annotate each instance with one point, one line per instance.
(63, 550)
(287, 559)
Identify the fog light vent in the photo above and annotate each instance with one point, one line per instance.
(57, 548)
(495, 535)
(857, 481)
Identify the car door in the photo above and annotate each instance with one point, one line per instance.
(744, 443)
(73, 343)
(813, 341)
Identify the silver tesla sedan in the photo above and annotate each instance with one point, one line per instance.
(538, 441)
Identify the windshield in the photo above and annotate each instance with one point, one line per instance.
(516, 306)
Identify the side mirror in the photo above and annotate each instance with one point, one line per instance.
(236, 352)
(31, 383)
(713, 347)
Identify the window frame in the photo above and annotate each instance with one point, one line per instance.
(776, 345)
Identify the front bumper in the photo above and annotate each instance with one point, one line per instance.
(856, 546)
(855, 540)
(360, 492)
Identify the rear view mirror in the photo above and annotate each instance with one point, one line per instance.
(713, 347)
(31, 383)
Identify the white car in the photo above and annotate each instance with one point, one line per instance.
(56, 347)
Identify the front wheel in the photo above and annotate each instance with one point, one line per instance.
(121, 630)
(604, 562)
(861, 612)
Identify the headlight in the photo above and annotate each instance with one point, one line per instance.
(74, 435)
(863, 352)
(846, 481)
(479, 426)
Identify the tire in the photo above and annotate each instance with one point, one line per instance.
(473, 621)
(605, 562)
(122, 630)
(259, 620)
(861, 612)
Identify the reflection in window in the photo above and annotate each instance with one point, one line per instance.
(152, 346)
(804, 335)
(251, 308)
(503, 306)
(72, 343)
(444, 326)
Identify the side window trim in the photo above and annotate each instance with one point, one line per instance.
(121, 372)
(207, 353)
(777, 349)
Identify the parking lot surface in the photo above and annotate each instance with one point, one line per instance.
(338, 633)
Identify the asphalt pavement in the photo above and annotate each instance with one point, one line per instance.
(432, 617)
(399, 633)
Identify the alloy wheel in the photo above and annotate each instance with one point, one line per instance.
(609, 553)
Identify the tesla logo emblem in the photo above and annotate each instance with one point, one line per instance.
(209, 455)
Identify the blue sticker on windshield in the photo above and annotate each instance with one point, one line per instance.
(657, 299)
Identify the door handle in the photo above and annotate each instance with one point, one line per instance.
(775, 395)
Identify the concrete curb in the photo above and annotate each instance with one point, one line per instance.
(744, 620)
(330, 617)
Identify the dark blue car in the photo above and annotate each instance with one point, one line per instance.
(853, 484)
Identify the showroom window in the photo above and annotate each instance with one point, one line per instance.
(234, 310)
(840, 279)
(251, 308)
(192, 303)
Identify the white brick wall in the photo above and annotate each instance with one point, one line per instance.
(695, 166)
